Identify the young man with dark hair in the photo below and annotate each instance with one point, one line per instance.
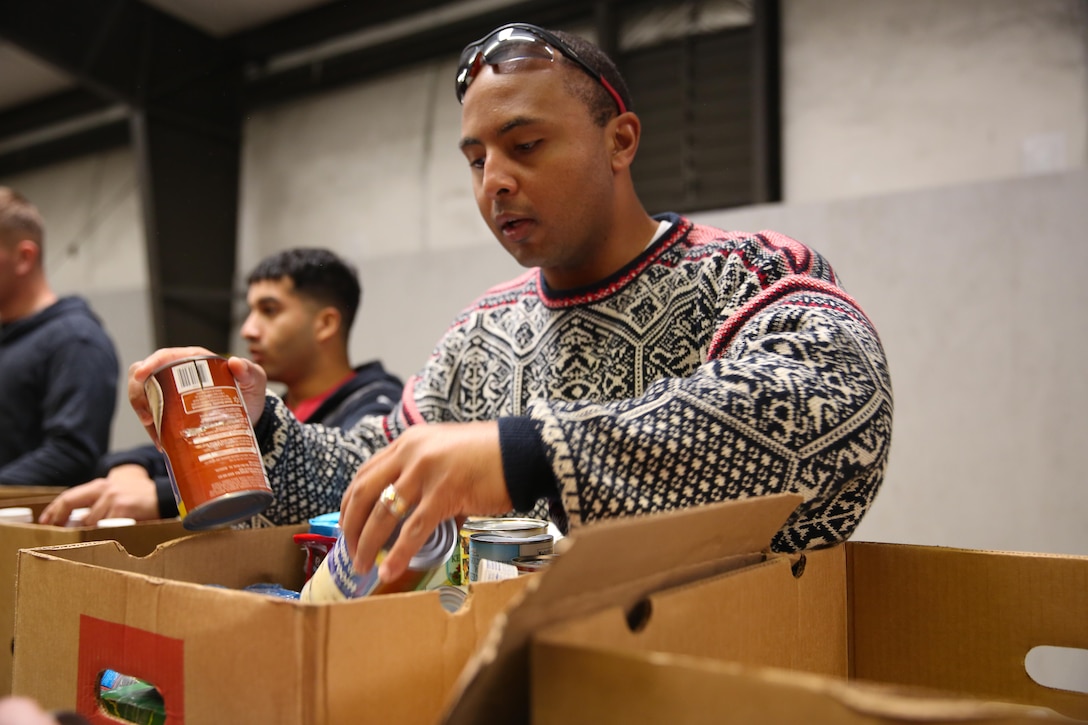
(302, 304)
(58, 367)
(642, 364)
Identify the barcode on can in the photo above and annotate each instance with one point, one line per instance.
(192, 375)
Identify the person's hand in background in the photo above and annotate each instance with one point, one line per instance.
(127, 491)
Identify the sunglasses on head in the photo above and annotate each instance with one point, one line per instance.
(520, 41)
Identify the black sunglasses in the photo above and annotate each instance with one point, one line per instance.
(520, 41)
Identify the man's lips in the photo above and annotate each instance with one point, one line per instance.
(513, 226)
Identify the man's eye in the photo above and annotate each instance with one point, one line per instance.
(528, 146)
(477, 163)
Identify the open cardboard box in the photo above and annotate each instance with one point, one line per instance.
(140, 539)
(177, 619)
(616, 564)
(857, 633)
(219, 655)
(860, 633)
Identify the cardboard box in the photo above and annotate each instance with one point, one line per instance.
(614, 564)
(140, 539)
(861, 633)
(223, 655)
(30, 493)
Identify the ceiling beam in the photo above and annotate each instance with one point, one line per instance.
(121, 50)
(177, 88)
(267, 84)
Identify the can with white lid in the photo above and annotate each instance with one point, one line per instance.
(16, 515)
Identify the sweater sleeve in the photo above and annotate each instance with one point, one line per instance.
(525, 465)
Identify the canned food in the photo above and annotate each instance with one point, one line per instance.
(508, 527)
(504, 549)
(211, 453)
(530, 564)
(335, 579)
(451, 598)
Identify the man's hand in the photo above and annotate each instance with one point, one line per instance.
(443, 470)
(127, 491)
(251, 378)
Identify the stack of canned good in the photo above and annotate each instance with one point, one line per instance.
(504, 540)
(448, 561)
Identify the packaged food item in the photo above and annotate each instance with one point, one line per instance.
(211, 453)
(495, 547)
(115, 522)
(531, 564)
(76, 517)
(316, 543)
(451, 598)
(336, 579)
(136, 702)
(16, 515)
(511, 527)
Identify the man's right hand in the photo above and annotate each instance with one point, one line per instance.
(251, 378)
(127, 491)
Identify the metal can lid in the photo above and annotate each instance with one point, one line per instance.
(17, 514)
(451, 598)
(115, 522)
(227, 509)
(76, 516)
(511, 540)
(533, 563)
(508, 525)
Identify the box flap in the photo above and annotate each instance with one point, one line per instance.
(185, 559)
(614, 562)
(610, 685)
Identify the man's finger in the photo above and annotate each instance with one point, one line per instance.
(415, 531)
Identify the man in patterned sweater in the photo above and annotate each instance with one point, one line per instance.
(642, 363)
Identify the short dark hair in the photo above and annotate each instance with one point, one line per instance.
(19, 219)
(601, 105)
(319, 275)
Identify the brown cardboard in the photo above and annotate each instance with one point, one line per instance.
(868, 633)
(222, 655)
(617, 563)
(31, 493)
(140, 539)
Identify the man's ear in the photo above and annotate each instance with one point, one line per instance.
(624, 132)
(27, 256)
(327, 323)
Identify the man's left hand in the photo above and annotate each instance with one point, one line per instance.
(439, 471)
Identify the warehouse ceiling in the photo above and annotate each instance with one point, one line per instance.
(69, 69)
(174, 79)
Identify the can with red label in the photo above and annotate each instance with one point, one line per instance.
(204, 432)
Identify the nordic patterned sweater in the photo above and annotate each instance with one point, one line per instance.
(715, 366)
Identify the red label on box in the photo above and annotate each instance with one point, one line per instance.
(151, 657)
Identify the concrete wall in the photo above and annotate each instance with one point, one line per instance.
(909, 162)
(889, 95)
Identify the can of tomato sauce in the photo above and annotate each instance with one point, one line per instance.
(205, 435)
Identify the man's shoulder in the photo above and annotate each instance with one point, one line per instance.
(74, 317)
(372, 372)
